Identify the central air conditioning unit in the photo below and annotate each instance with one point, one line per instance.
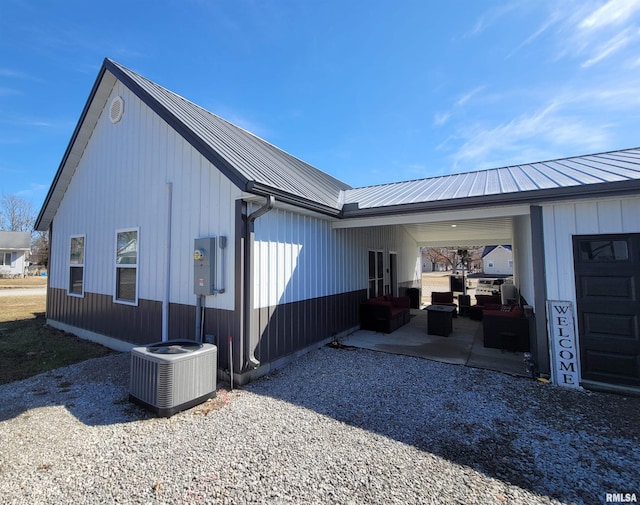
(167, 377)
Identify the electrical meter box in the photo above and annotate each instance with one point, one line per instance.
(204, 266)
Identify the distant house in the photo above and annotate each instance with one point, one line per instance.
(14, 252)
(497, 259)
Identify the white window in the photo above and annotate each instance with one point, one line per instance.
(76, 265)
(490, 264)
(5, 259)
(126, 289)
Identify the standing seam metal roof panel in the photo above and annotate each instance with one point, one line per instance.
(255, 159)
(610, 167)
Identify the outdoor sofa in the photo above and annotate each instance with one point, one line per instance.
(385, 313)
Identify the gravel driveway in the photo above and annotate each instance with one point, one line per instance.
(337, 426)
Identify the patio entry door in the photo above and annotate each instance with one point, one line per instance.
(607, 270)
(393, 273)
(376, 274)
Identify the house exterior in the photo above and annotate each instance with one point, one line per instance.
(14, 252)
(166, 221)
(497, 260)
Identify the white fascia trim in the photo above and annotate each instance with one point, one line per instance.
(433, 216)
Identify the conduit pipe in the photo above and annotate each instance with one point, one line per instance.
(251, 337)
(167, 267)
(198, 318)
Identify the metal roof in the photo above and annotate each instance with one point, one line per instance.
(258, 167)
(246, 159)
(253, 164)
(563, 177)
(15, 240)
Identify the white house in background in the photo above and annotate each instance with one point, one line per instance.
(166, 221)
(14, 252)
(497, 259)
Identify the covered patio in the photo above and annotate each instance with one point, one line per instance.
(464, 346)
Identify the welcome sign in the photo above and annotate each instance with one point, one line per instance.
(564, 354)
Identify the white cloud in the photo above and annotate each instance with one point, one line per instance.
(614, 12)
(440, 119)
(492, 16)
(33, 190)
(468, 96)
(443, 117)
(611, 46)
(552, 20)
(588, 29)
(529, 137)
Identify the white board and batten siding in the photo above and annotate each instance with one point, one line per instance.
(562, 221)
(300, 257)
(523, 258)
(122, 178)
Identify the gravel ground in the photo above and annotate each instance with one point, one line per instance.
(337, 426)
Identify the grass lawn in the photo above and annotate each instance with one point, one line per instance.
(28, 346)
(34, 281)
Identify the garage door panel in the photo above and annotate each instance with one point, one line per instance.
(609, 367)
(607, 287)
(607, 273)
(621, 325)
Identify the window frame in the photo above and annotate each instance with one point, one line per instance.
(4, 259)
(117, 266)
(81, 265)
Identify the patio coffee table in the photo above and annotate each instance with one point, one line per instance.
(440, 320)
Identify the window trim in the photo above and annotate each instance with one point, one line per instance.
(4, 255)
(83, 236)
(116, 266)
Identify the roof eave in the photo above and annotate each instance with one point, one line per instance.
(296, 200)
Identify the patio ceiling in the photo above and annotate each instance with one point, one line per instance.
(482, 226)
(491, 231)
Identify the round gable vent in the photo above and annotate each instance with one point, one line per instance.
(116, 109)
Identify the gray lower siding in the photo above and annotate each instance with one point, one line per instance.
(286, 328)
(141, 324)
(291, 327)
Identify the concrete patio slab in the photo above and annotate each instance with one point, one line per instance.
(464, 346)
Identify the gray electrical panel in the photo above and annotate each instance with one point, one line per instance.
(204, 266)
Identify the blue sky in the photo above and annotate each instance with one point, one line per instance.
(370, 92)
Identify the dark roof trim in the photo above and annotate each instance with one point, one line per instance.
(298, 201)
(618, 188)
(187, 133)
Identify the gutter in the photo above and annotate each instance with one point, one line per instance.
(250, 337)
(296, 200)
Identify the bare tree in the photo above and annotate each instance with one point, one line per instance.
(16, 214)
(453, 256)
(40, 248)
(441, 255)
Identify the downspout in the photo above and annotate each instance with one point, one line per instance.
(167, 267)
(251, 337)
